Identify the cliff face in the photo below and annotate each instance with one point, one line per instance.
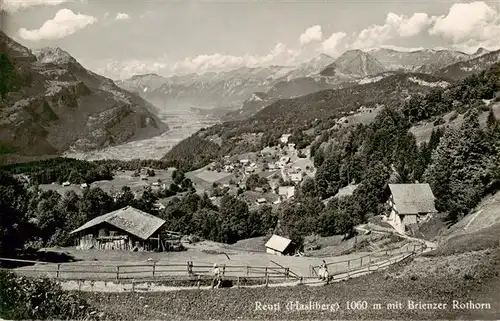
(49, 103)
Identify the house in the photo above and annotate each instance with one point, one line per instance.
(261, 201)
(284, 138)
(66, 184)
(272, 166)
(125, 229)
(286, 191)
(283, 161)
(84, 186)
(278, 245)
(410, 204)
(296, 177)
(249, 169)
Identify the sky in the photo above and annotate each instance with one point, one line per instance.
(120, 38)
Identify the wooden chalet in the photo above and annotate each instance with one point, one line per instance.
(409, 204)
(125, 229)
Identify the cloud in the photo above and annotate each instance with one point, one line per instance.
(18, 5)
(465, 27)
(312, 34)
(122, 16)
(278, 55)
(64, 23)
(331, 45)
(395, 26)
(469, 25)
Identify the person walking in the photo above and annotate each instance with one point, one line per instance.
(216, 274)
(324, 269)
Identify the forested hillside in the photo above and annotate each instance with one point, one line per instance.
(296, 115)
(461, 164)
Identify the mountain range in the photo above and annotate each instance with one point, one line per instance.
(49, 103)
(240, 93)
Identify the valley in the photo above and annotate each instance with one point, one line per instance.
(183, 122)
(194, 187)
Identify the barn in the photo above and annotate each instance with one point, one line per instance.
(278, 245)
(125, 229)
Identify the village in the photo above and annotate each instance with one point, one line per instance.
(268, 177)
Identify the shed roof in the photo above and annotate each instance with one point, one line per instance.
(413, 198)
(278, 243)
(128, 219)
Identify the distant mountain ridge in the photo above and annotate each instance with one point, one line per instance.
(356, 63)
(466, 68)
(50, 104)
(235, 90)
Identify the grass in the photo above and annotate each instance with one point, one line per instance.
(382, 287)
(486, 238)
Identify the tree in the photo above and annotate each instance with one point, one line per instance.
(177, 177)
(491, 121)
(125, 198)
(308, 188)
(147, 201)
(95, 202)
(234, 215)
(13, 224)
(459, 167)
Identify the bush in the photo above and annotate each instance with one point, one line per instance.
(24, 298)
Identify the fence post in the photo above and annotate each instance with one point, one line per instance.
(361, 261)
(117, 272)
(265, 275)
(287, 272)
(154, 269)
(198, 282)
(300, 280)
(57, 273)
(247, 270)
(267, 280)
(223, 270)
(238, 283)
(369, 262)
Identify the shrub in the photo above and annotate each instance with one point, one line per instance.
(24, 298)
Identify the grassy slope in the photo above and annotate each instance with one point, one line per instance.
(384, 287)
(466, 267)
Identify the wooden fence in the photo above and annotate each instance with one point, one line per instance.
(149, 271)
(340, 267)
(239, 274)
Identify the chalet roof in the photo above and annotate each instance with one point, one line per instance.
(128, 219)
(278, 243)
(413, 198)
